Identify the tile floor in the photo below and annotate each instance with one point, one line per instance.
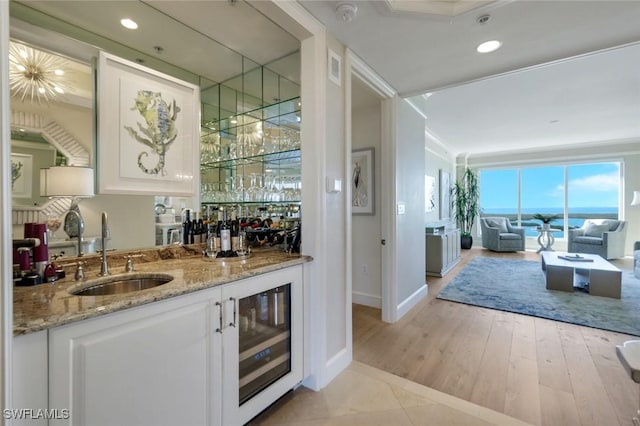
(363, 395)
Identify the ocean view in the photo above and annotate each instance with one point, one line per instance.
(577, 217)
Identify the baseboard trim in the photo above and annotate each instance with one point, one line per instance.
(336, 365)
(411, 301)
(366, 299)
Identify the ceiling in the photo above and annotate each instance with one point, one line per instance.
(207, 38)
(591, 99)
(424, 46)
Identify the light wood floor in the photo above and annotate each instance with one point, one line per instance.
(536, 370)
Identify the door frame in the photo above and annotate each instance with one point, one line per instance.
(356, 67)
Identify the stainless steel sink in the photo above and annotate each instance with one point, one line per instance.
(120, 284)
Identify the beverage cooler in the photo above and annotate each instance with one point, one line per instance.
(264, 327)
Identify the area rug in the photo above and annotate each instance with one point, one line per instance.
(518, 286)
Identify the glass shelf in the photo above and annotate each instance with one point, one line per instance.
(291, 157)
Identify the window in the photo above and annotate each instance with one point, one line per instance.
(593, 191)
(542, 191)
(499, 193)
(573, 192)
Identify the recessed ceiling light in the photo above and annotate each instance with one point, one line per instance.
(489, 46)
(129, 23)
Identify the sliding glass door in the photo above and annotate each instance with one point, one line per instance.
(571, 192)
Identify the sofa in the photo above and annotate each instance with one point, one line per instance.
(604, 237)
(499, 235)
(636, 259)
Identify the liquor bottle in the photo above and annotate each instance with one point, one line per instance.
(225, 237)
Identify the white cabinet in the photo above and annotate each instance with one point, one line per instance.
(442, 250)
(29, 378)
(152, 365)
(169, 362)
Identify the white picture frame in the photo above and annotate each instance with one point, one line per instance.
(430, 203)
(21, 175)
(334, 63)
(362, 182)
(445, 195)
(137, 153)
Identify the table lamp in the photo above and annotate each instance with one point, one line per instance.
(68, 181)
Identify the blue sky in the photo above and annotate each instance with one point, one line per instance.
(590, 185)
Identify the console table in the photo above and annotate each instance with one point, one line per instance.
(546, 238)
(442, 249)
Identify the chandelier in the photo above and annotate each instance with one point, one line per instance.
(36, 75)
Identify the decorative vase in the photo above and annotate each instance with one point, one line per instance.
(466, 241)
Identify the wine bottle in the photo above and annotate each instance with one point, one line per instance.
(201, 232)
(218, 228)
(234, 232)
(225, 237)
(186, 227)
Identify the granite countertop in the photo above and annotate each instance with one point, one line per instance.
(45, 306)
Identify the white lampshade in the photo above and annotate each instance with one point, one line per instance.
(66, 181)
(636, 198)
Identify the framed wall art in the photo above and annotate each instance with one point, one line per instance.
(430, 193)
(21, 175)
(362, 182)
(445, 195)
(148, 130)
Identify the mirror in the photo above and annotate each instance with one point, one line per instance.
(187, 51)
(42, 143)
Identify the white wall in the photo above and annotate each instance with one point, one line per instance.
(366, 231)
(409, 187)
(437, 158)
(334, 210)
(631, 213)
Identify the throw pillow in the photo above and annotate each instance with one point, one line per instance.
(594, 230)
(498, 223)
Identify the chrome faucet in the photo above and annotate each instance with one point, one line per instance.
(79, 275)
(80, 227)
(104, 267)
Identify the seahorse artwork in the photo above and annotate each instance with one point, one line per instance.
(16, 167)
(159, 130)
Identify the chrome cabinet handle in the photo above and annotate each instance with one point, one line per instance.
(219, 329)
(232, 300)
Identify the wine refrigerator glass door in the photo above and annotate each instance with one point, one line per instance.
(264, 339)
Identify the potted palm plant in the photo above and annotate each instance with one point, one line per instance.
(466, 207)
(546, 219)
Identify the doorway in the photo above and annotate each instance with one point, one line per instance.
(366, 229)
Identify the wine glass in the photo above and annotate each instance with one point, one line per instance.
(53, 224)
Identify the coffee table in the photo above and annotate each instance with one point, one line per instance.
(597, 276)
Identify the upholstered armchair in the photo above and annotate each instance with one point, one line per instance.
(499, 235)
(636, 259)
(604, 237)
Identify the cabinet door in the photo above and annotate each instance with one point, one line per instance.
(29, 377)
(262, 341)
(151, 365)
